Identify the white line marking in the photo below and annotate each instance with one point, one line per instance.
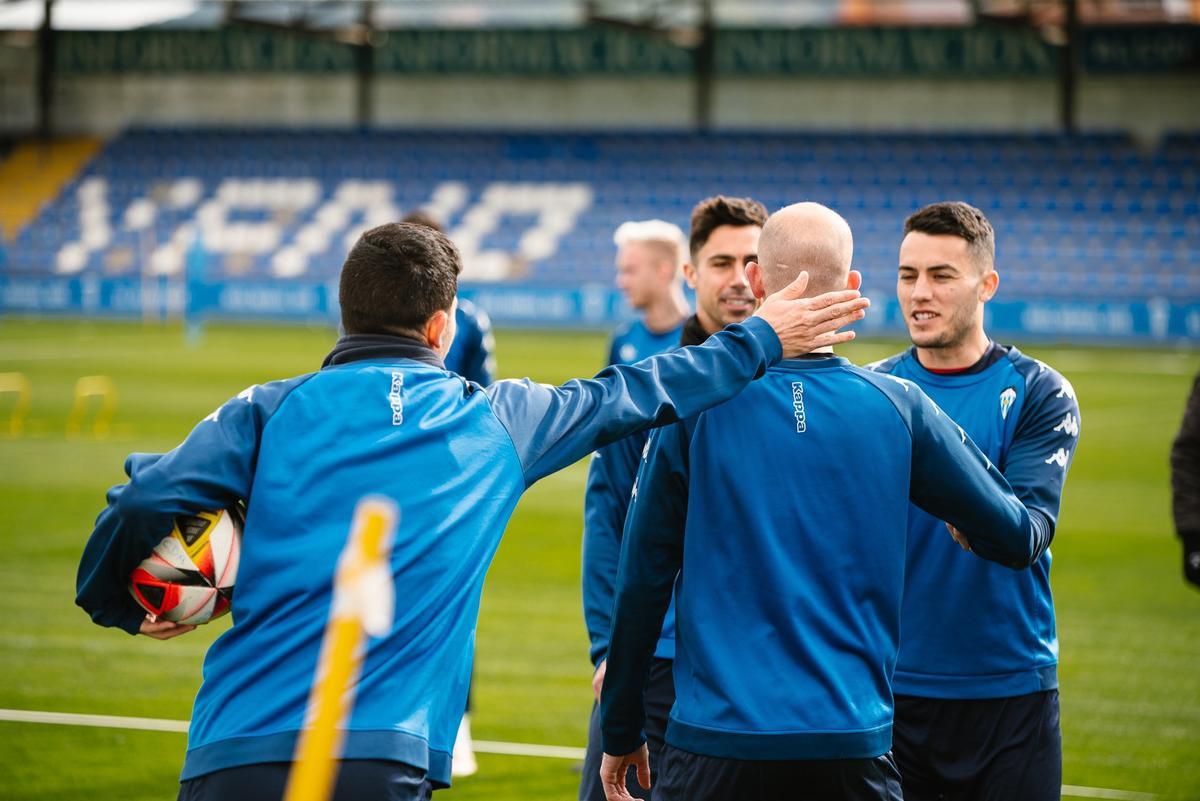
(1072, 791)
(529, 749)
(482, 746)
(99, 721)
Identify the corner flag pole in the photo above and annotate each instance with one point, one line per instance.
(363, 604)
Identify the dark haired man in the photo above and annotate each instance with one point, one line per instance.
(723, 240)
(976, 680)
(787, 563)
(383, 416)
(473, 352)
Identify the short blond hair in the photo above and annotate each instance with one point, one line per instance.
(660, 233)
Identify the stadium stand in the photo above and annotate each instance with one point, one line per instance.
(1077, 217)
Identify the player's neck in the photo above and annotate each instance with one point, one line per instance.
(957, 357)
(667, 312)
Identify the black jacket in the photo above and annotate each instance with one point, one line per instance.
(1185, 485)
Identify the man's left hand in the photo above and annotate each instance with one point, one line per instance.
(614, 769)
(163, 629)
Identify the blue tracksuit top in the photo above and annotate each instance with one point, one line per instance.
(785, 513)
(606, 500)
(1024, 416)
(473, 351)
(382, 417)
(633, 342)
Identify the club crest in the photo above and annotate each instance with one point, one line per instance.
(1007, 397)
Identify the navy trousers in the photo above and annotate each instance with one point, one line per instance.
(358, 780)
(694, 777)
(996, 749)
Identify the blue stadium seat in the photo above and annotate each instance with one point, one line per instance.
(1074, 215)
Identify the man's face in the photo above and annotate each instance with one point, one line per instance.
(941, 289)
(718, 275)
(643, 273)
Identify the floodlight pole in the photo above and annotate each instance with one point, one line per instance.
(45, 81)
(1068, 67)
(704, 60)
(364, 58)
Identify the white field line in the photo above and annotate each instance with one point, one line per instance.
(482, 746)
(1071, 791)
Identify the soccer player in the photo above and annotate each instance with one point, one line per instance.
(779, 518)
(383, 416)
(1185, 485)
(723, 240)
(649, 255)
(976, 681)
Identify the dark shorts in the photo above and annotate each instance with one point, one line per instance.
(660, 697)
(982, 750)
(694, 777)
(373, 779)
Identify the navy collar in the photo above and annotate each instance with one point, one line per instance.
(363, 347)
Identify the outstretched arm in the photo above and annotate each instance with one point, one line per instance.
(555, 426)
(954, 481)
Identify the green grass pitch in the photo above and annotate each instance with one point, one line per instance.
(1129, 628)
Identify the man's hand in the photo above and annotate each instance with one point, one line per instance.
(805, 324)
(614, 769)
(598, 679)
(163, 629)
(959, 537)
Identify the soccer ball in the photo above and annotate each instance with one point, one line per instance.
(189, 577)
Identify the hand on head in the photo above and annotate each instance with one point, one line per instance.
(807, 324)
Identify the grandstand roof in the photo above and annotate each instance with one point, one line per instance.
(395, 14)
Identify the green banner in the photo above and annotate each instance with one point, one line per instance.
(985, 51)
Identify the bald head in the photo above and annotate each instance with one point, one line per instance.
(805, 236)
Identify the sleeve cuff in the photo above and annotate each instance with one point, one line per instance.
(622, 745)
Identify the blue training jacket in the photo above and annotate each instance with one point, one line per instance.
(381, 417)
(633, 342)
(1024, 416)
(606, 499)
(473, 351)
(785, 513)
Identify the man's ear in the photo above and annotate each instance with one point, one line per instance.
(438, 332)
(854, 280)
(989, 285)
(755, 279)
(689, 273)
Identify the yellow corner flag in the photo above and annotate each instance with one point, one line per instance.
(363, 604)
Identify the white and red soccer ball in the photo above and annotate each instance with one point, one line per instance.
(190, 575)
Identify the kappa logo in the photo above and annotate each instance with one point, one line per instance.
(1069, 425)
(1066, 390)
(1007, 398)
(1060, 458)
(798, 407)
(395, 400)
